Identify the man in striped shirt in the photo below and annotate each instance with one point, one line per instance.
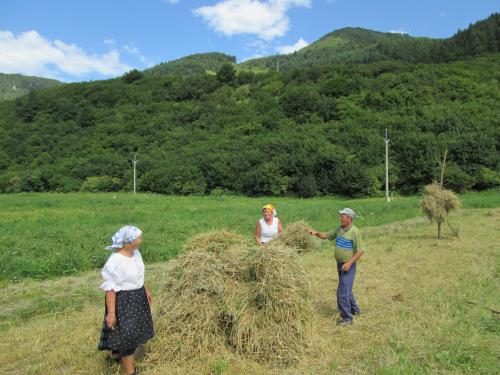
(349, 247)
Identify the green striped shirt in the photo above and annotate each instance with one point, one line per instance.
(347, 242)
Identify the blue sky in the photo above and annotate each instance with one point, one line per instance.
(74, 40)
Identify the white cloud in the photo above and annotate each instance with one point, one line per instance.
(399, 31)
(132, 50)
(266, 19)
(256, 56)
(171, 2)
(257, 46)
(31, 54)
(110, 42)
(301, 43)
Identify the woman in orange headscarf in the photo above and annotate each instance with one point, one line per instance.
(268, 226)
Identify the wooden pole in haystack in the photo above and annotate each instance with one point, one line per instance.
(437, 202)
(443, 166)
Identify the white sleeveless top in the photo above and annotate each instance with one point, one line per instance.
(268, 232)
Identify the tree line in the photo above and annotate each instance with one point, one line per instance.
(361, 46)
(306, 132)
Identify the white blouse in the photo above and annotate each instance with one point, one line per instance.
(123, 273)
(268, 232)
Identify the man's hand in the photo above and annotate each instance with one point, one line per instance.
(312, 232)
(111, 320)
(346, 266)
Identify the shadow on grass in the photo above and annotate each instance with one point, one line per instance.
(326, 308)
(430, 237)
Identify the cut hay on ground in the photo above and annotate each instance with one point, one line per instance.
(252, 302)
(296, 235)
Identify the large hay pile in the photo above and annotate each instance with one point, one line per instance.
(251, 301)
(188, 308)
(296, 235)
(215, 241)
(273, 325)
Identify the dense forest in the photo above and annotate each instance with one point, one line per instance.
(16, 85)
(359, 46)
(196, 64)
(305, 132)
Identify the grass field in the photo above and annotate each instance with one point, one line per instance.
(51, 235)
(427, 304)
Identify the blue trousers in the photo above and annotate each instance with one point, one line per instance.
(345, 299)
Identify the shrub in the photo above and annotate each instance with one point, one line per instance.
(487, 179)
(100, 183)
(174, 180)
(132, 76)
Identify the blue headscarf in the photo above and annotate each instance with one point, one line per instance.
(126, 234)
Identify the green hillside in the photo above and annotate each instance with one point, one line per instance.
(358, 46)
(191, 65)
(312, 131)
(15, 85)
(316, 131)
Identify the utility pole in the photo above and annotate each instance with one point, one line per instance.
(277, 64)
(386, 140)
(134, 161)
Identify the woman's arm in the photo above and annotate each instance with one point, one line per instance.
(148, 294)
(280, 227)
(257, 234)
(111, 306)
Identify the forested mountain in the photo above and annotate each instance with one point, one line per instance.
(16, 85)
(317, 130)
(306, 132)
(358, 46)
(191, 65)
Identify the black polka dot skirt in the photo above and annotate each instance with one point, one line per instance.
(134, 324)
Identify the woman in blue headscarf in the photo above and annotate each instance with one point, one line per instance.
(127, 321)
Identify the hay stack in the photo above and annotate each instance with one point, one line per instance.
(231, 249)
(215, 241)
(273, 326)
(255, 302)
(296, 235)
(236, 262)
(437, 203)
(188, 308)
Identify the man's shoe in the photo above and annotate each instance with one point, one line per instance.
(358, 312)
(344, 323)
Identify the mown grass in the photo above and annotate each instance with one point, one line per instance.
(51, 235)
(426, 310)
